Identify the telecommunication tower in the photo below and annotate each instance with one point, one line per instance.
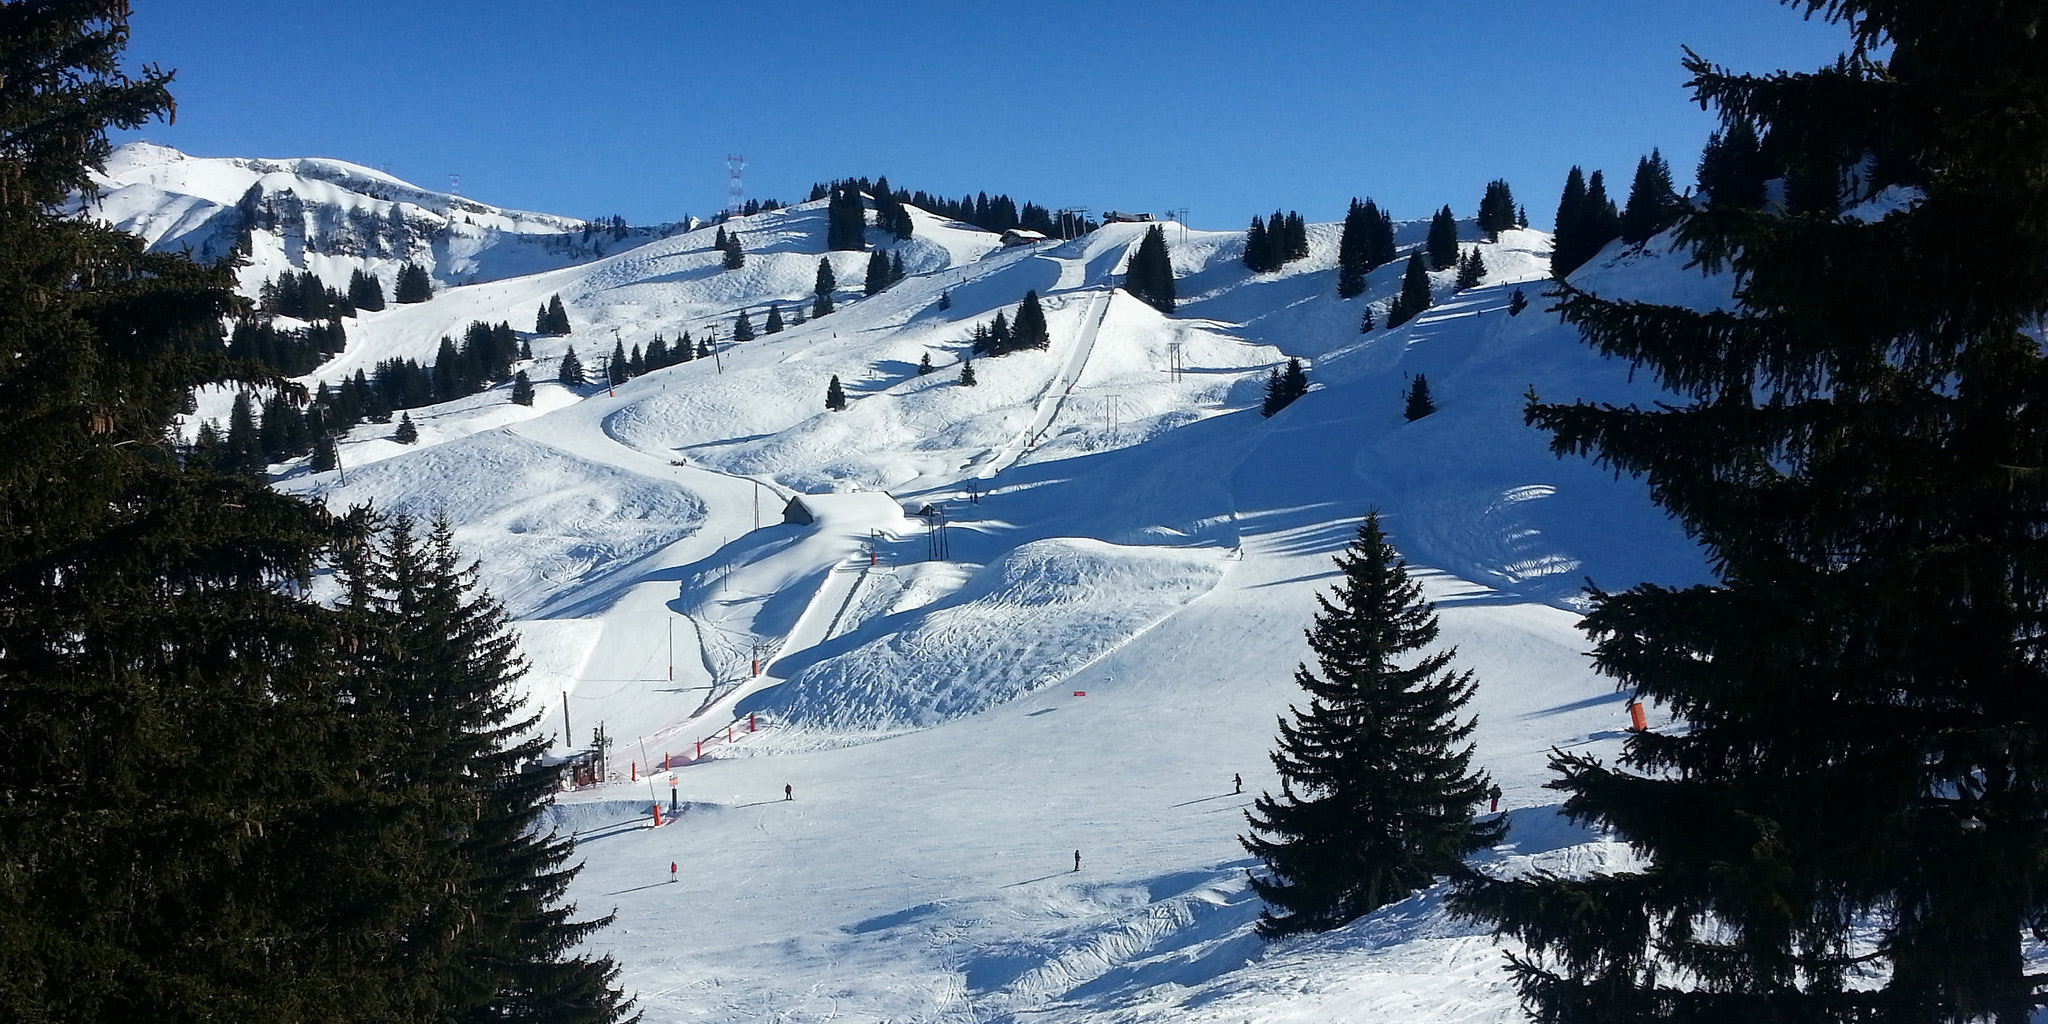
(735, 189)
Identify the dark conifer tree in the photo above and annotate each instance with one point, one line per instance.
(1732, 169)
(1365, 322)
(1652, 201)
(1471, 269)
(846, 220)
(924, 365)
(1283, 387)
(1517, 303)
(1297, 238)
(1442, 246)
(1419, 403)
(967, 373)
(1599, 223)
(657, 354)
(244, 455)
(774, 324)
(1030, 330)
(1150, 274)
(1258, 248)
(1849, 820)
(1379, 236)
(325, 455)
(365, 291)
(878, 273)
(835, 396)
(413, 284)
(896, 270)
(1566, 244)
(735, 256)
(822, 288)
(1354, 252)
(617, 369)
(406, 433)
(742, 328)
(1414, 297)
(1497, 209)
(571, 371)
(945, 301)
(1379, 791)
(557, 318)
(522, 389)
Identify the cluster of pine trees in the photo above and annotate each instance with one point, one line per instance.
(413, 284)
(1149, 277)
(552, 319)
(302, 296)
(1004, 336)
(1442, 242)
(365, 290)
(293, 351)
(1270, 245)
(1497, 210)
(1587, 219)
(884, 269)
(846, 219)
(1415, 294)
(222, 799)
(1471, 269)
(1367, 243)
(989, 213)
(1283, 387)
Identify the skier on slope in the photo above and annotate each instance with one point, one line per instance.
(1236, 782)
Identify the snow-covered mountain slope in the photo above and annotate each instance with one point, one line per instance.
(333, 217)
(1099, 637)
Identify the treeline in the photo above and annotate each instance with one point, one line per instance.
(224, 799)
(989, 213)
(1270, 245)
(1002, 336)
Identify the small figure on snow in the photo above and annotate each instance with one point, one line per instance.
(1493, 798)
(1236, 783)
(1077, 860)
(787, 792)
(671, 871)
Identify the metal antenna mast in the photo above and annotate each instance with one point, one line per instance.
(735, 189)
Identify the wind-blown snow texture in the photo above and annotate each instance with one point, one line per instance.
(1133, 558)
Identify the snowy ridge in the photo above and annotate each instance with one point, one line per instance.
(1131, 555)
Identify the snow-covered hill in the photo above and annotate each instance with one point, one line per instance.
(1100, 635)
(333, 217)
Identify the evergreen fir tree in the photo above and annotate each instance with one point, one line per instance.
(1849, 820)
(878, 273)
(1471, 269)
(1517, 303)
(406, 433)
(1257, 246)
(413, 284)
(967, 373)
(924, 365)
(557, 318)
(1652, 202)
(823, 288)
(1030, 330)
(325, 455)
(244, 444)
(1497, 209)
(365, 291)
(1379, 236)
(735, 257)
(617, 368)
(835, 396)
(774, 325)
(896, 271)
(571, 372)
(1414, 297)
(1379, 790)
(1419, 403)
(1283, 387)
(846, 221)
(1566, 244)
(1732, 169)
(1150, 274)
(742, 328)
(945, 301)
(1365, 323)
(522, 389)
(1442, 246)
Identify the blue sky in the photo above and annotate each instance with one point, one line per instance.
(1225, 109)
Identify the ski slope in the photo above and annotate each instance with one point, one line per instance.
(1132, 556)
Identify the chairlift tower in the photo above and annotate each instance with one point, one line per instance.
(735, 188)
